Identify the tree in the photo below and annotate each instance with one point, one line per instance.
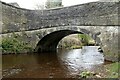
(53, 4)
(49, 4)
(39, 7)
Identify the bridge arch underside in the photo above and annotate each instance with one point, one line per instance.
(49, 42)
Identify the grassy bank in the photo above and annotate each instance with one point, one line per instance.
(113, 70)
(107, 71)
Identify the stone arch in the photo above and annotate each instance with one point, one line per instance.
(50, 41)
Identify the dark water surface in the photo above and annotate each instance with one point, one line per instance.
(64, 64)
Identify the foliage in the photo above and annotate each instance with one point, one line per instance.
(39, 7)
(85, 39)
(109, 71)
(77, 41)
(14, 44)
(70, 43)
(53, 4)
(86, 74)
(112, 70)
(76, 47)
(49, 4)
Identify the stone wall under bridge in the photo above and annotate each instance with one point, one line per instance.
(47, 39)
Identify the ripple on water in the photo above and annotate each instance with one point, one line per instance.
(64, 64)
(81, 59)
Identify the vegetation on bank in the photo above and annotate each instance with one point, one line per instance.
(86, 74)
(76, 42)
(86, 39)
(113, 70)
(108, 71)
(14, 44)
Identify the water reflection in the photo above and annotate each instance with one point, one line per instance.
(78, 60)
(91, 55)
(64, 64)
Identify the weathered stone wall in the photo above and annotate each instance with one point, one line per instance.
(14, 19)
(96, 13)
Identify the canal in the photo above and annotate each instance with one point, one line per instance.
(63, 64)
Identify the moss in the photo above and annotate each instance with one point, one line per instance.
(112, 70)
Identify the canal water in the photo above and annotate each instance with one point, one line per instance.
(63, 64)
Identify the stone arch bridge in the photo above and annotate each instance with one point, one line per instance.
(43, 29)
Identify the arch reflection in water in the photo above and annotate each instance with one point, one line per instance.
(78, 60)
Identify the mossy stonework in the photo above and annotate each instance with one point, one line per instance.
(42, 30)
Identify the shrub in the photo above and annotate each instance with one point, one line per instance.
(86, 74)
(85, 39)
(14, 45)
